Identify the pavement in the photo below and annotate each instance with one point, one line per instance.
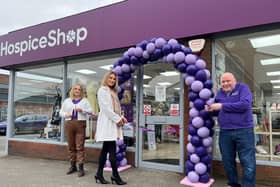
(18, 171)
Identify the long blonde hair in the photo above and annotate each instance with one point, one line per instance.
(82, 94)
(106, 77)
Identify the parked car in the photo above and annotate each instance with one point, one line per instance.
(28, 123)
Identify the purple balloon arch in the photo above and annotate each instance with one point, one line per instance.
(197, 78)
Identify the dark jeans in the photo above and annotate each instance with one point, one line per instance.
(241, 141)
(108, 147)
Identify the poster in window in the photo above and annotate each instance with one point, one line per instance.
(160, 93)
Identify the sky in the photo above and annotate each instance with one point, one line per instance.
(18, 14)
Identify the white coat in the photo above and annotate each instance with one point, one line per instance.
(68, 106)
(107, 129)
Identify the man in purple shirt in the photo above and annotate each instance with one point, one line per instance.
(233, 107)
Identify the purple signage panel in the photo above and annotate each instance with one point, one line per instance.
(129, 22)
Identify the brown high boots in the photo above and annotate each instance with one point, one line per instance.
(72, 169)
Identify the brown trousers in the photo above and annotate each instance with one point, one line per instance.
(75, 131)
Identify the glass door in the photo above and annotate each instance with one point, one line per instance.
(160, 118)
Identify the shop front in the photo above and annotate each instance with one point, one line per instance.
(45, 60)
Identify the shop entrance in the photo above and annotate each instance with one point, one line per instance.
(160, 117)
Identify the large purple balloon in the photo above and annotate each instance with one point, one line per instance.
(191, 70)
(199, 104)
(205, 93)
(182, 67)
(125, 68)
(150, 47)
(204, 178)
(170, 58)
(203, 132)
(201, 75)
(201, 151)
(160, 42)
(193, 96)
(190, 59)
(194, 158)
(208, 84)
(123, 162)
(179, 57)
(190, 148)
(200, 168)
(197, 122)
(197, 86)
(192, 130)
(189, 80)
(193, 176)
(207, 141)
(189, 166)
(166, 49)
(138, 51)
(193, 112)
(206, 159)
(196, 141)
(200, 64)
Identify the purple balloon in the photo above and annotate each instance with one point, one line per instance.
(196, 141)
(204, 114)
(201, 151)
(193, 112)
(189, 80)
(182, 67)
(131, 51)
(125, 68)
(203, 132)
(201, 75)
(190, 59)
(205, 93)
(138, 51)
(172, 42)
(170, 58)
(108, 163)
(193, 96)
(150, 47)
(119, 156)
(134, 60)
(208, 75)
(197, 122)
(179, 57)
(192, 130)
(118, 70)
(194, 158)
(189, 166)
(133, 67)
(209, 149)
(166, 49)
(146, 55)
(210, 101)
(191, 70)
(209, 123)
(193, 176)
(199, 104)
(200, 64)
(190, 148)
(208, 84)
(160, 42)
(204, 178)
(207, 141)
(200, 168)
(206, 159)
(197, 86)
(123, 162)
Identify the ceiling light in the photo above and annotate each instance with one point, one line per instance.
(164, 83)
(270, 61)
(146, 86)
(277, 87)
(147, 77)
(273, 73)
(265, 41)
(86, 71)
(106, 67)
(176, 88)
(274, 81)
(169, 73)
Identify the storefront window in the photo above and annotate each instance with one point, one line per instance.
(36, 97)
(89, 72)
(254, 58)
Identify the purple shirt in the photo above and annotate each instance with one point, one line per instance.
(236, 112)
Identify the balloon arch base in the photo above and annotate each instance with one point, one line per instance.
(187, 182)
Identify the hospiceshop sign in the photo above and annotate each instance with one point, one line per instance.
(53, 38)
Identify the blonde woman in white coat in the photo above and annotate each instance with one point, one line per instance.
(109, 125)
(74, 110)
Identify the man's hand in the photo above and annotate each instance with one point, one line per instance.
(215, 106)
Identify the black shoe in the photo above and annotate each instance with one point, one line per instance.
(81, 170)
(72, 169)
(100, 179)
(117, 180)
